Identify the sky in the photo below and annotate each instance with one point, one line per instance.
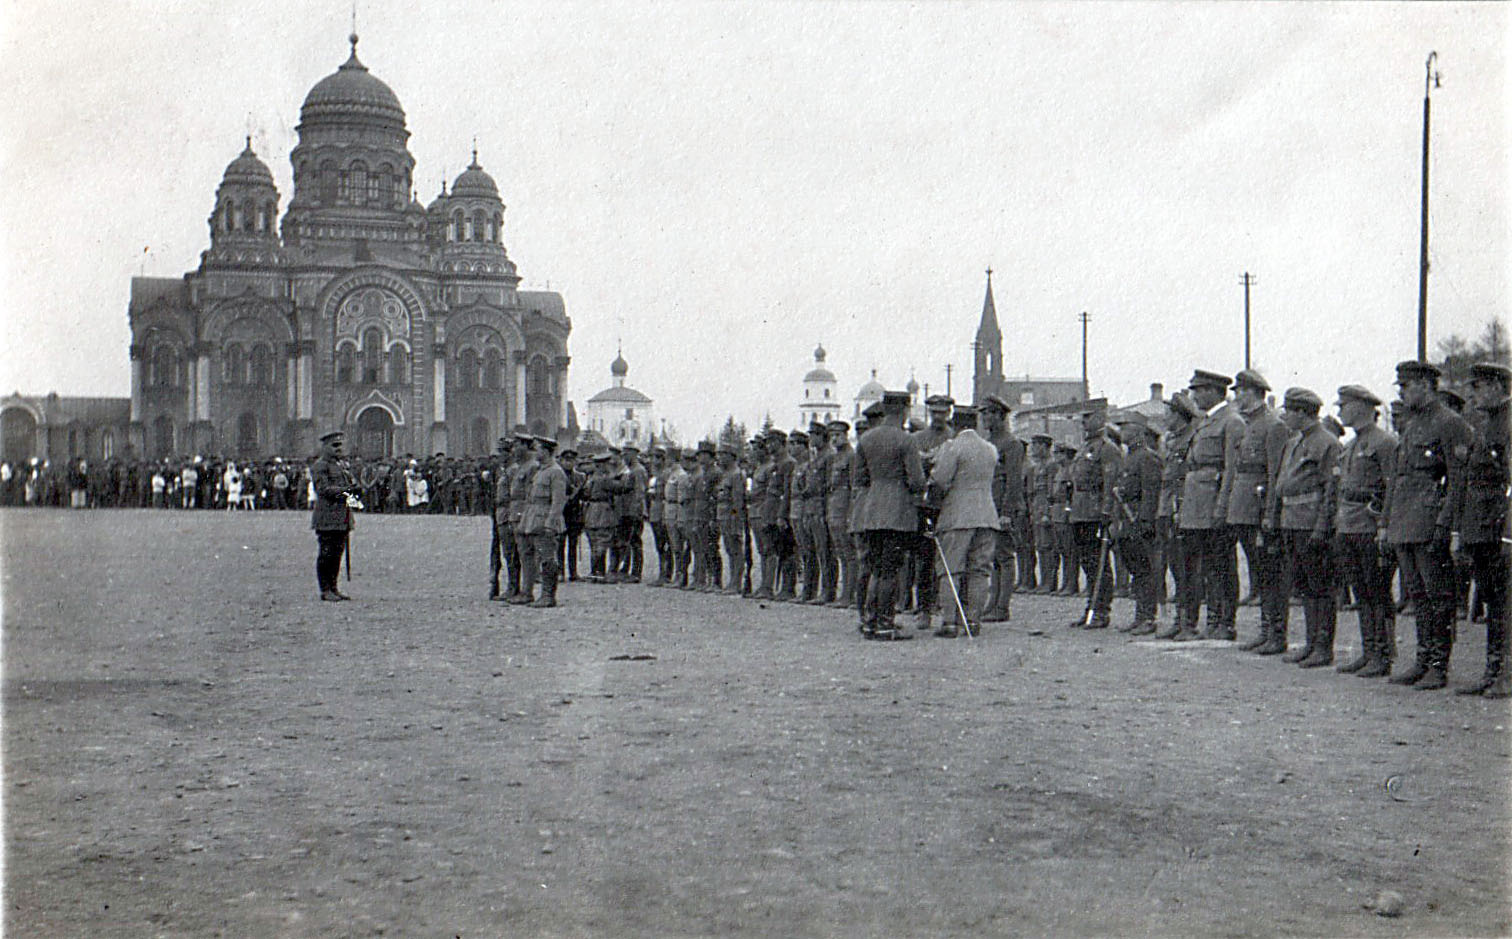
(720, 187)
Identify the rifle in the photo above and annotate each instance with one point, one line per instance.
(1102, 565)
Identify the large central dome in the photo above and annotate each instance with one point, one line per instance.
(352, 94)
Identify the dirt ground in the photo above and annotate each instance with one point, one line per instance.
(195, 746)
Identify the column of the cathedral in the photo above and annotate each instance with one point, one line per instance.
(562, 362)
(306, 379)
(291, 381)
(135, 437)
(519, 360)
(201, 431)
(438, 399)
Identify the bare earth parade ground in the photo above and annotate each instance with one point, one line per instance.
(195, 746)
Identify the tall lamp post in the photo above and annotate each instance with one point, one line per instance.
(1248, 280)
(1429, 83)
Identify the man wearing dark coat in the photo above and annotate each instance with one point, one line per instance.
(889, 470)
(331, 517)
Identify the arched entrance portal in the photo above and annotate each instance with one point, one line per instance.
(246, 435)
(375, 434)
(18, 435)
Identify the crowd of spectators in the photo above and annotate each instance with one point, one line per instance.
(434, 485)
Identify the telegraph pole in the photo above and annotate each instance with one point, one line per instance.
(1085, 319)
(947, 379)
(1429, 83)
(1248, 280)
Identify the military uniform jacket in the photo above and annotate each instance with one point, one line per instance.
(674, 491)
(965, 470)
(519, 488)
(546, 502)
(697, 509)
(1094, 472)
(797, 485)
(656, 496)
(928, 440)
(634, 506)
(1259, 460)
(577, 496)
(1430, 462)
(1173, 470)
(331, 480)
(757, 494)
(816, 486)
(600, 512)
(1212, 459)
(1365, 470)
(857, 496)
(1060, 494)
(1041, 482)
(501, 483)
(837, 509)
(730, 497)
(1008, 489)
(1138, 487)
(889, 469)
(1483, 507)
(1306, 489)
(775, 511)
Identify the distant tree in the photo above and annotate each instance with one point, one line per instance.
(733, 434)
(1457, 354)
(766, 424)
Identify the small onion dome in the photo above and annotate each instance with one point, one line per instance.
(619, 368)
(912, 387)
(248, 170)
(474, 183)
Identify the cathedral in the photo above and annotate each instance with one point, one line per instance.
(360, 309)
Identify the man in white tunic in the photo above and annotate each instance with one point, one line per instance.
(968, 522)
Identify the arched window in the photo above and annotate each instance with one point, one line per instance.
(372, 356)
(479, 445)
(387, 188)
(162, 436)
(228, 216)
(479, 227)
(357, 191)
(539, 378)
(346, 360)
(234, 373)
(330, 179)
(458, 227)
(398, 365)
(498, 227)
(493, 370)
(164, 366)
(107, 444)
(467, 370)
(262, 366)
(249, 215)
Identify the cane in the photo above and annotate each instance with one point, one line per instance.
(1102, 565)
(950, 579)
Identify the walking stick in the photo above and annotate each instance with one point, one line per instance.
(950, 579)
(1102, 565)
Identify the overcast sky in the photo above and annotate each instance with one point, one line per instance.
(722, 186)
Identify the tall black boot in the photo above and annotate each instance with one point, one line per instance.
(1324, 611)
(1310, 624)
(548, 590)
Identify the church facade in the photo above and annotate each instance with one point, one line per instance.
(360, 309)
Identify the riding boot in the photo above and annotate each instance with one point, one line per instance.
(1310, 624)
(1264, 637)
(548, 590)
(1367, 641)
(1323, 611)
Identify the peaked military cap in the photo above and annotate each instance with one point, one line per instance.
(728, 449)
(1065, 447)
(658, 451)
(874, 411)
(547, 443)
(1412, 369)
(818, 429)
(998, 402)
(1112, 434)
(1454, 399)
(775, 434)
(569, 452)
(333, 435)
(839, 427)
(939, 402)
(674, 453)
(1132, 417)
(1042, 438)
(1249, 378)
(630, 448)
(1204, 378)
(965, 416)
(1358, 393)
(797, 436)
(1491, 371)
(896, 400)
(706, 446)
(1301, 399)
(522, 437)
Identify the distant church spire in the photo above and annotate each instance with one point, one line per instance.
(987, 350)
